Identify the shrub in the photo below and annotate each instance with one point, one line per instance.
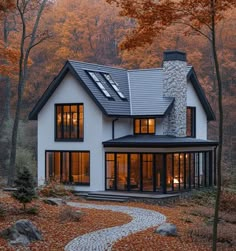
(33, 210)
(2, 211)
(68, 214)
(54, 189)
(226, 234)
(25, 187)
(204, 197)
(228, 201)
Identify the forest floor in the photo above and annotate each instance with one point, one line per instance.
(59, 225)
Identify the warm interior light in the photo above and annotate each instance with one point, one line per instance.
(176, 181)
(59, 118)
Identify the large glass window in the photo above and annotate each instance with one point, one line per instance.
(157, 172)
(69, 122)
(191, 122)
(68, 167)
(144, 126)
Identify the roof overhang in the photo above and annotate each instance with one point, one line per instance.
(52, 87)
(192, 77)
(154, 141)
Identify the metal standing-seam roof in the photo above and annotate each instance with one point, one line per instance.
(146, 93)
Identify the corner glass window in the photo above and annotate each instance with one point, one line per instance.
(144, 126)
(69, 122)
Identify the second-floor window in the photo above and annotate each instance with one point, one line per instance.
(191, 122)
(144, 126)
(69, 122)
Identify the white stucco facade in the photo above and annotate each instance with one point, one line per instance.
(201, 118)
(70, 91)
(98, 128)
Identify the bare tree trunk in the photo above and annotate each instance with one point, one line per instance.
(6, 79)
(22, 76)
(220, 105)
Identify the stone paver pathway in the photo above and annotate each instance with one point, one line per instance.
(103, 239)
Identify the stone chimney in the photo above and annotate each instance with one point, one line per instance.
(175, 85)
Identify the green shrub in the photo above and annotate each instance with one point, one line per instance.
(33, 210)
(25, 187)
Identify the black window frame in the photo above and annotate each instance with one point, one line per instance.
(140, 123)
(193, 121)
(70, 164)
(63, 139)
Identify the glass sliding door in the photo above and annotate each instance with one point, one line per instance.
(147, 172)
(134, 181)
(169, 172)
(158, 171)
(122, 171)
(176, 179)
(110, 171)
(187, 180)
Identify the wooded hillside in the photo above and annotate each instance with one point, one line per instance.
(91, 30)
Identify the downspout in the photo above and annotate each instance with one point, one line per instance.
(113, 128)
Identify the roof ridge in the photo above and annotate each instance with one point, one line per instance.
(146, 69)
(95, 64)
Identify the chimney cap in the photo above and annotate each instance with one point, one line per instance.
(174, 55)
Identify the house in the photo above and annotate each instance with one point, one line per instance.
(105, 128)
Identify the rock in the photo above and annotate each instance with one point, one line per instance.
(21, 233)
(167, 229)
(54, 201)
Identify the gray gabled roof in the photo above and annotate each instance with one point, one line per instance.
(146, 93)
(111, 107)
(192, 77)
(142, 90)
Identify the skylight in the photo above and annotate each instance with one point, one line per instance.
(99, 83)
(115, 86)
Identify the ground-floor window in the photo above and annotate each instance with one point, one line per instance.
(153, 172)
(70, 167)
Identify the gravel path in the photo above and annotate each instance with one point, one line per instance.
(103, 239)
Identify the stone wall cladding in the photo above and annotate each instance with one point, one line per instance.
(175, 85)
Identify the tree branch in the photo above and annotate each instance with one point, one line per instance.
(38, 42)
(195, 29)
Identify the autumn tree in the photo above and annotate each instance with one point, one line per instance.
(200, 17)
(8, 56)
(30, 10)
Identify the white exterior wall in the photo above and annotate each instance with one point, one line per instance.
(122, 127)
(201, 118)
(69, 91)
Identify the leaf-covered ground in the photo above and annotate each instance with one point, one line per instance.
(194, 224)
